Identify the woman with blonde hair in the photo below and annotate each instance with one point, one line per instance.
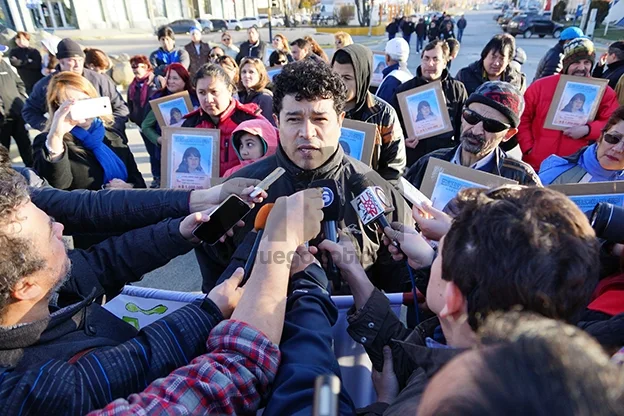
(316, 48)
(280, 44)
(252, 86)
(81, 154)
(342, 39)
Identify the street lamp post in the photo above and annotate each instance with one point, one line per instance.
(370, 18)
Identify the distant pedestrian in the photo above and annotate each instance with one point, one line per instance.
(407, 27)
(461, 25)
(27, 60)
(433, 31)
(392, 29)
(421, 34)
(167, 54)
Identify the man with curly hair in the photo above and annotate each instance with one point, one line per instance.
(308, 107)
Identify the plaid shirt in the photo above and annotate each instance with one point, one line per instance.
(232, 378)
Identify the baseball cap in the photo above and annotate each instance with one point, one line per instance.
(571, 32)
(398, 49)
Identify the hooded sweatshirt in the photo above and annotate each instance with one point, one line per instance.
(389, 152)
(258, 127)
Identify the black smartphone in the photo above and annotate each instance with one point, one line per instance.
(224, 217)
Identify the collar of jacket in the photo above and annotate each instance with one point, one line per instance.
(615, 65)
(325, 171)
(234, 106)
(443, 77)
(499, 157)
(431, 360)
(15, 338)
(389, 69)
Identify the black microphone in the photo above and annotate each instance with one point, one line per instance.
(333, 212)
(370, 203)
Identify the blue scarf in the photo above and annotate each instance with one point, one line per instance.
(92, 140)
(589, 161)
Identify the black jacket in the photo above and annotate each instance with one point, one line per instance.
(421, 30)
(383, 271)
(433, 32)
(375, 325)
(255, 51)
(407, 28)
(461, 23)
(263, 98)
(502, 166)
(12, 92)
(613, 72)
(474, 75)
(28, 64)
(455, 96)
(389, 153)
(75, 170)
(36, 105)
(551, 63)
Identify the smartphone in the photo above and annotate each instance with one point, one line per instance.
(91, 108)
(266, 182)
(224, 217)
(412, 194)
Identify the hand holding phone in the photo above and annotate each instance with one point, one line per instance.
(222, 219)
(91, 108)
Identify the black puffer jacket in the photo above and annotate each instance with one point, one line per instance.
(455, 96)
(551, 63)
(474, 75)
(384, 272)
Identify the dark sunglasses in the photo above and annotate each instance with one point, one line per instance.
(489, 125)
(226, 39)
(611, 139)
(139, 66)
(215, 55)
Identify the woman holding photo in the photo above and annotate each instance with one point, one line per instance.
(81, 154)
(252, 86)
(177, 79)
(219, 110)
(602, 161)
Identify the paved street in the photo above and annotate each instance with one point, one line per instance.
(183, 274)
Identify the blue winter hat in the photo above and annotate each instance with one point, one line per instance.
(571, 32)
(194, 28)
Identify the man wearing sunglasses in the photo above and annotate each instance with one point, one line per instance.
(491, 116)
(536, 142)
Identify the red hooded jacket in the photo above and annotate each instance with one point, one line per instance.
(537, 142)
(235, 114)
(258, 127)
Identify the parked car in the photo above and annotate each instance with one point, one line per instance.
(534, 25)
(275, 20)
(183, 26)
(206, 25)
(233, 24)
(219, 25)
(247, 22)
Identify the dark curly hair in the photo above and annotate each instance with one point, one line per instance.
(521, 246)
(309, 80)
(18, 258)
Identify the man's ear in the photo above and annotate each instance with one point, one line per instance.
(276, 118)
(454, 302)
(26, 289)
(510, 133)
(341, 117)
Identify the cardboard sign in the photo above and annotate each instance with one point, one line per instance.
(443, 181)
(587, 195)
(424, 111)
(575, 103)
(357, 139)
(169, 110)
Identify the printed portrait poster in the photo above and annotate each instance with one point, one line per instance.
(170, 110)
(424, 111)
(357, 139)
(379, 64)
(587, 195)
(575, 102)
(192, 157)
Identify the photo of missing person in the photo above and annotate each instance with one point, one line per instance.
(175, 116)
(575, 105)
(345, 147)
(191, 162)
(172, 111)
(379, 64)
(424, 111)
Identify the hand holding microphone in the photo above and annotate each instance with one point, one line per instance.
(411, 244)
(371, 203)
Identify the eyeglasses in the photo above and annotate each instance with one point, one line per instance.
(213, 55)
(611, 138)
(489, 125)
(225, 39)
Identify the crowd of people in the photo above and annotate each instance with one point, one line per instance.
(517, 304)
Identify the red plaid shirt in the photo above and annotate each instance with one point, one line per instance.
(231, 378)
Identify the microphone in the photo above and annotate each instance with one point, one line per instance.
(259, 224)
(371, 203)
(333, 212)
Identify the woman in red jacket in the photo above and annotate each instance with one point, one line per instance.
(218, 110)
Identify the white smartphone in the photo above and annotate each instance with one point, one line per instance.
(412, 194)
(91, 108)
(266, 182)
